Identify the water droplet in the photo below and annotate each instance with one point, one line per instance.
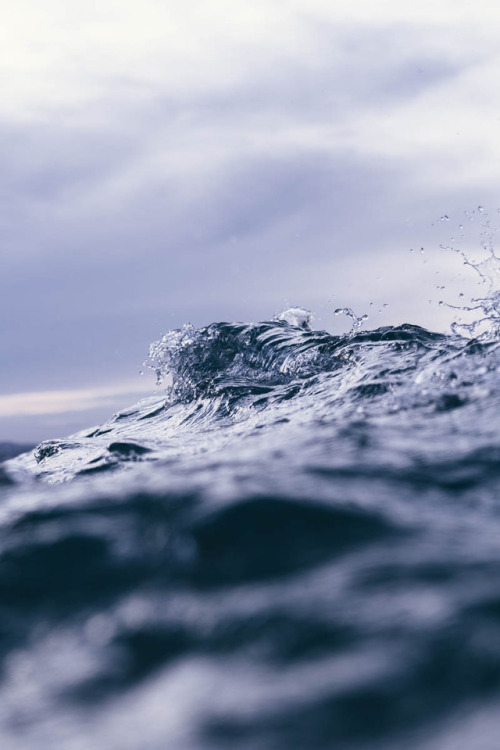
(421, 251)
(411, 249)
(461, 226)
(385, 304)
(444, 218)
(480, 209)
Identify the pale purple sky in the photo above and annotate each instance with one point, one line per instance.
(165, 163)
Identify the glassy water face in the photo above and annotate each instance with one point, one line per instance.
(296, 546)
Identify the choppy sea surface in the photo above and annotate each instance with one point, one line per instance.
(295, 545)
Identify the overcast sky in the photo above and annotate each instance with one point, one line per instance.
(167, 162)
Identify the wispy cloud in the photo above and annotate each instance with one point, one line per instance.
(61, 402)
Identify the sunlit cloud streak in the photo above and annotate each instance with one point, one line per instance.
(60, 402)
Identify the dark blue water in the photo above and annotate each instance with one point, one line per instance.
(297, 545)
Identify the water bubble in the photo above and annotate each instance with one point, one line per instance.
(480, 209)
(421, 251)
(461, 226)
(412, 250)
(444, 218)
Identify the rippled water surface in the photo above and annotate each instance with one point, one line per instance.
(297, 545)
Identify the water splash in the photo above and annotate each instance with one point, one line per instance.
(357, 321)
(168, 351)
(484, 261)
(296, 316)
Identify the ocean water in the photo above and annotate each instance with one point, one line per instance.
(295, 545)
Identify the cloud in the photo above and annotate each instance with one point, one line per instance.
(57, 402)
